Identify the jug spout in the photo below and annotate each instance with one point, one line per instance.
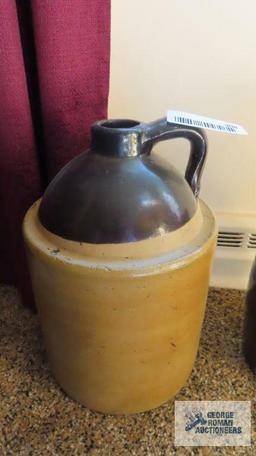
(119, 138)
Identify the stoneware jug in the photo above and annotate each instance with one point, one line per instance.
(120, 249)
(249, 339)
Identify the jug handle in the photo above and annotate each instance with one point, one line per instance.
(160, 130)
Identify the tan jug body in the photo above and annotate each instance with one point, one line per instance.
(122, 322)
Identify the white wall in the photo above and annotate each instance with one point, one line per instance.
(197, 56)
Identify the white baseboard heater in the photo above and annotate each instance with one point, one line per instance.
(235, 252)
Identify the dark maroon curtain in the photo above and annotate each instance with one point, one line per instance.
(54, 71)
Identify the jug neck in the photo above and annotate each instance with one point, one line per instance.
(117, 138)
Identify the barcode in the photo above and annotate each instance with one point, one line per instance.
(194, 120)
(203, 124)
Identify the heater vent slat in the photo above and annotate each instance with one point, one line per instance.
(230, 239)
(251, 241)
(230, 233)
(236, 239)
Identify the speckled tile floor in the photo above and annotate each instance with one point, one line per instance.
(37, 418)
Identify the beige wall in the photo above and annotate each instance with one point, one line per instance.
(198, 56)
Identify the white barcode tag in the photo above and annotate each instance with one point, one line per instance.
(194, 120)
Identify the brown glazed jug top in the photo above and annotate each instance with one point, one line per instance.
(118, 192)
